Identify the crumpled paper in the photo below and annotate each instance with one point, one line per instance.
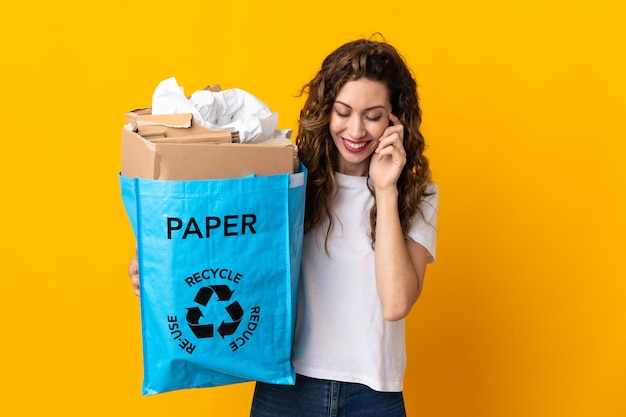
(232, 109)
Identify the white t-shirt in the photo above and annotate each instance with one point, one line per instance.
(341, 333)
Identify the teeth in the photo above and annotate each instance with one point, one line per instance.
(353, 145)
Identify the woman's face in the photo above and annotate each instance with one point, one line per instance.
(359, 117)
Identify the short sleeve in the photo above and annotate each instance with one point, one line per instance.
(423, 229)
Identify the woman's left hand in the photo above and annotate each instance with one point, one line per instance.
(390, 157)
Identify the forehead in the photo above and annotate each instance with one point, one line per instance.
(363, 94)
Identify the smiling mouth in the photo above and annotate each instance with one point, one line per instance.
(355, 146)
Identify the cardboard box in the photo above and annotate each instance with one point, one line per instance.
(173, 147)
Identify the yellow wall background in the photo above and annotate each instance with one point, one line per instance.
(524, 313)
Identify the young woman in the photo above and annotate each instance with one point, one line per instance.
(370, 231)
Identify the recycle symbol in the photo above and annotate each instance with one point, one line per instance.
(202, 298)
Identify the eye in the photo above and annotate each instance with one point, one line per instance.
(340, 114)
(374, 119)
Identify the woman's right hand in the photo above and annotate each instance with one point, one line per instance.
(133, 273)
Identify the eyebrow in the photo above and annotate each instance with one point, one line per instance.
(368, 109)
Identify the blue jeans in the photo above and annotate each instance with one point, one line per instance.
(311, 397)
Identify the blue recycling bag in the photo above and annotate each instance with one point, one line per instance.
(219, 264)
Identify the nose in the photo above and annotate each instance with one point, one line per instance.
(356, 128)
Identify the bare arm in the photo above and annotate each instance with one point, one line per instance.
(400, 262)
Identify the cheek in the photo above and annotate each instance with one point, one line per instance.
(377, 130)
(335, 124)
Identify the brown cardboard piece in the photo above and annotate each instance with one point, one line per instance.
(173, 147)
(175, 127)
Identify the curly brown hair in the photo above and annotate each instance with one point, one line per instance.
(377, 61)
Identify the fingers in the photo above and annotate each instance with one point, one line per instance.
(133, 273)
(133, 267)
(394, 119)
(135, 284)
(392, 140)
